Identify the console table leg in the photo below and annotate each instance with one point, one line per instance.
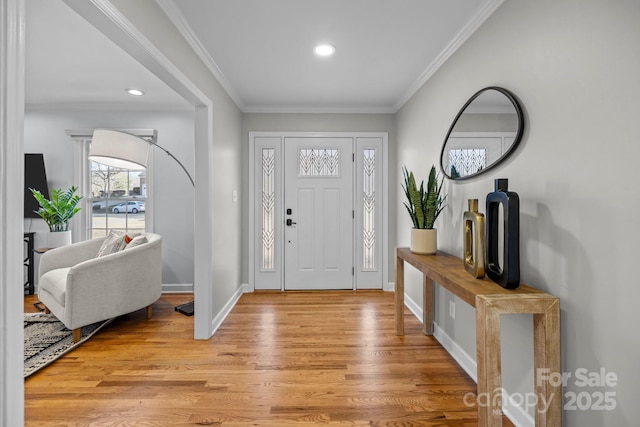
(428, 305)
(547, 366)
(399, 296)
(489, 368)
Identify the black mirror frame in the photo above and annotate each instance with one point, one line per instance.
(514, 101)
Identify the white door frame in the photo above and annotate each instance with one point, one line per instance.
(279, 205)
(12, 62)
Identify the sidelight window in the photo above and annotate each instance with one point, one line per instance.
(268, 209)
(369, 208)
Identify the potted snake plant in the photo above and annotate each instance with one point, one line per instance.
(57, 213)
(424, 205)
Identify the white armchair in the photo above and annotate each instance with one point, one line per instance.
(80, 289)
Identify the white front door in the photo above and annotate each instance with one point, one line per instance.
(318, 213)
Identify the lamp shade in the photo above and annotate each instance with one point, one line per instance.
(119, 149)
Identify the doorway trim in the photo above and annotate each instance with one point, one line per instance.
(254, 169)
(12, 78)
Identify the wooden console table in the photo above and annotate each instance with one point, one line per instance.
(490, 301)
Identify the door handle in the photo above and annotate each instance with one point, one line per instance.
(290, 222)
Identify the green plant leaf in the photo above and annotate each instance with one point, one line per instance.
(408, 187)
(423, 205)
(58, 211)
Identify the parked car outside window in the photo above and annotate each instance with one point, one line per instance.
(129, 207)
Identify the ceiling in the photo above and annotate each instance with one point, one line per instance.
(70, 64)
(260, 50)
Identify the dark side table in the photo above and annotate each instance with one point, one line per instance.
(29, 285)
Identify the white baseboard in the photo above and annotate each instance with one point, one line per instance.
(217, 321)
(463, 358)
(177, 288)
(167, 288)
(413, 307)
(517, 414)
(389, 287)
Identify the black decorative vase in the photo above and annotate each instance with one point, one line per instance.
(507, 275)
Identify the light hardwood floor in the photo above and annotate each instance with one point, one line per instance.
(279, 359)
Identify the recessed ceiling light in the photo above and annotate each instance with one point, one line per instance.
(324, 49)
(135, 92)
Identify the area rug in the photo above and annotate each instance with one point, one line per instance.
(46, 339)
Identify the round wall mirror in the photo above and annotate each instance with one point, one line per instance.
(486, 131)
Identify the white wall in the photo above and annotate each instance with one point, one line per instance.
(304, 122)
(173, 192)
(574, 64)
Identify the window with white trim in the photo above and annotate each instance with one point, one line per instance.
(113, 199)
(118, 200)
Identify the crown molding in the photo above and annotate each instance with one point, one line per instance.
(175, 15)
(88, 133)
(107, 107)
(458, 40)
(300, 109)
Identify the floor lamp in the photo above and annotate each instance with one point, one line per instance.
(127, 151)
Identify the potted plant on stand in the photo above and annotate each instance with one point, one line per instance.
(57, 213)
(424, 207)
